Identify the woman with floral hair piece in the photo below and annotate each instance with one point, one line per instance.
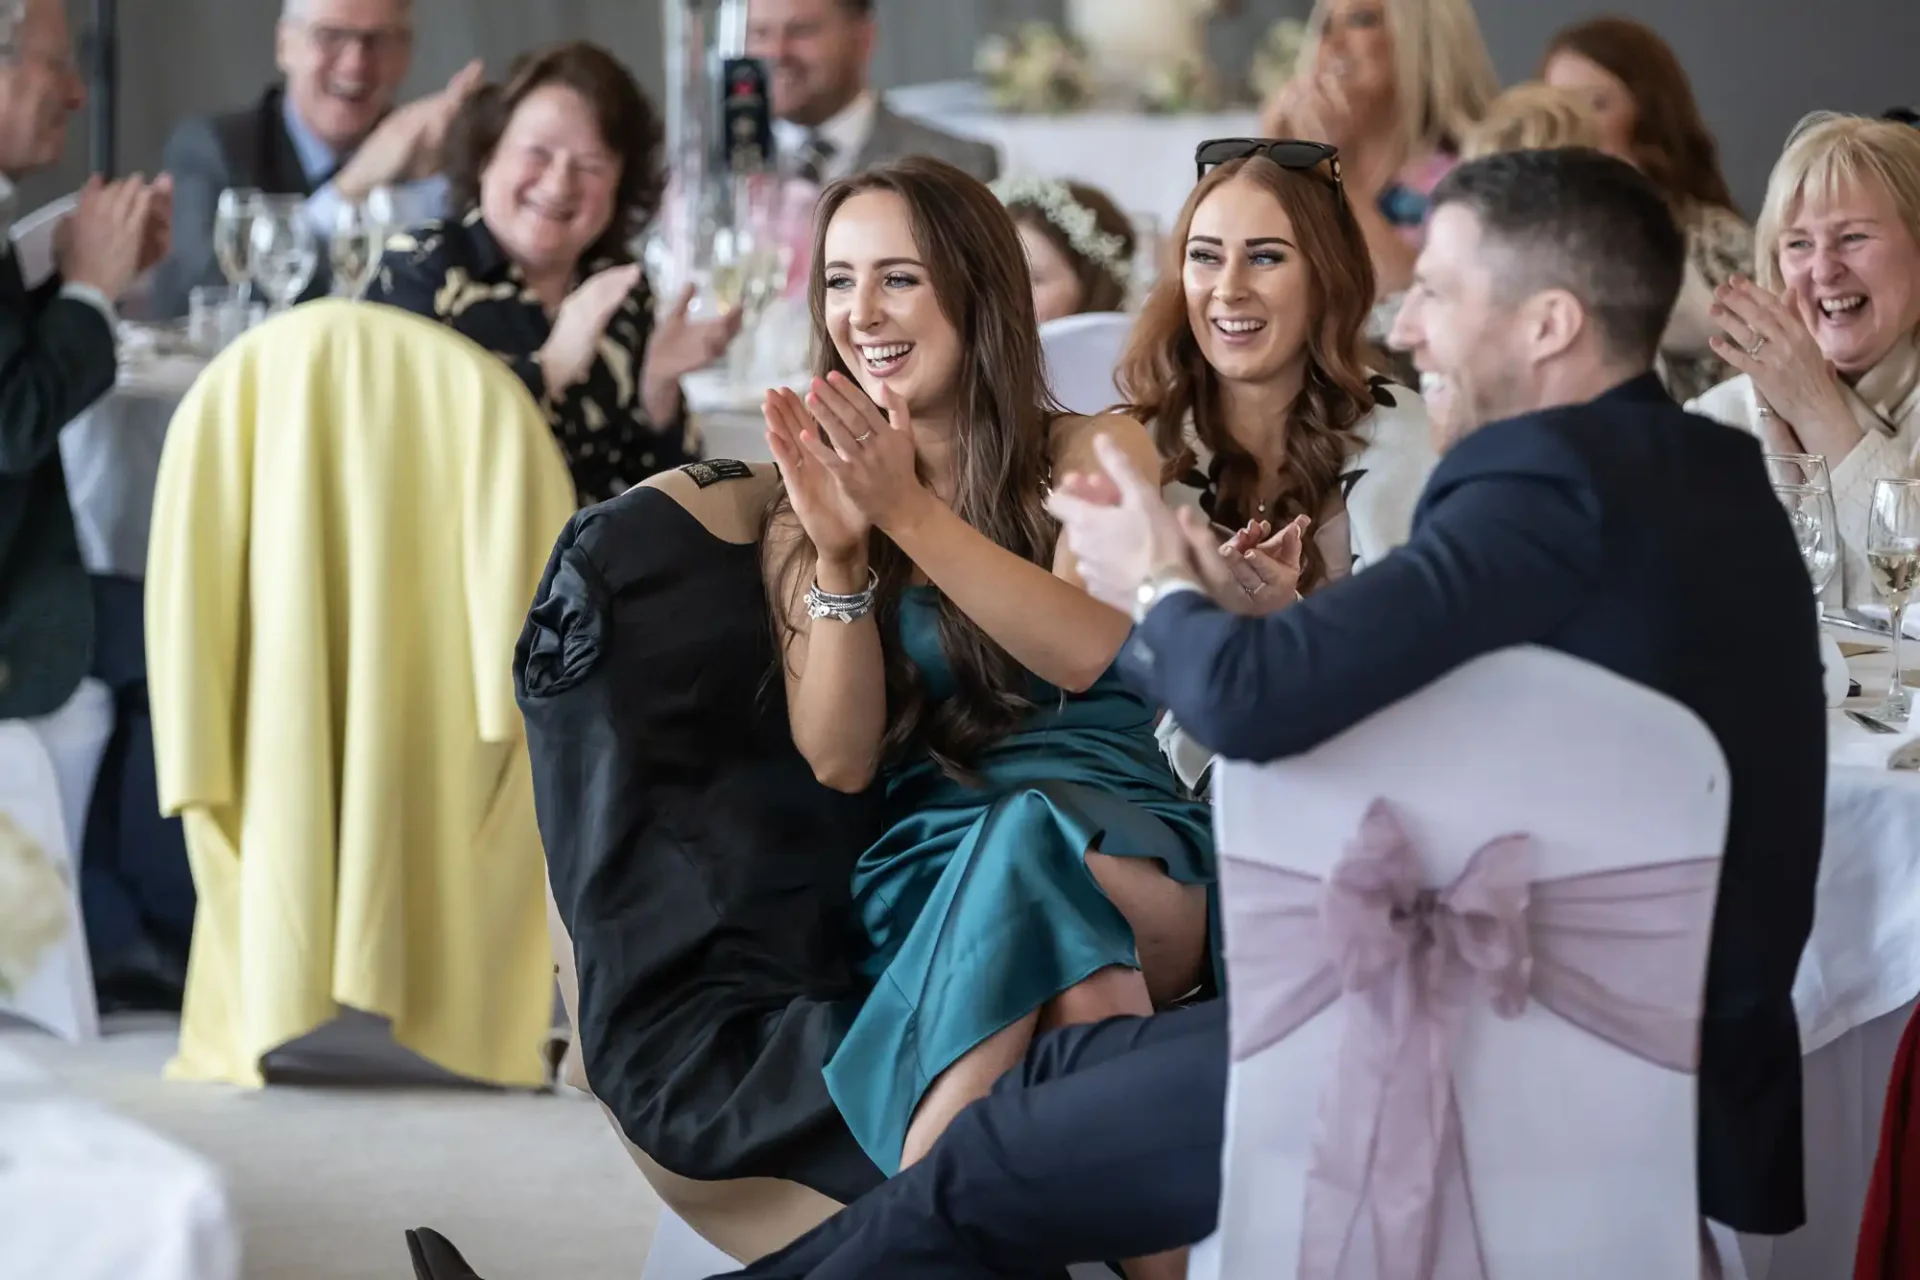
(1079, 245)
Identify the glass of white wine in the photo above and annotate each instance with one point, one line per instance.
(1893, 560)
(1800, 482)
(353, 252)
(233, 236)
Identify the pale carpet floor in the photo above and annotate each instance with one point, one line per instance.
(324, 1181)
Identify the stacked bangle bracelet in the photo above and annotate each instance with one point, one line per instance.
(842, 608)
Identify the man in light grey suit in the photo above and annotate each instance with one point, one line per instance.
(827, 121)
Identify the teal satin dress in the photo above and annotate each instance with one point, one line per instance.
(977, 903)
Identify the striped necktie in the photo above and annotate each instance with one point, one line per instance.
(815, 156)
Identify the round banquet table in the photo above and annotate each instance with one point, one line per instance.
(111, 454)
(1859, 976)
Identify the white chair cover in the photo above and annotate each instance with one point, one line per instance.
(33, 238)
(1579, 1154)
(47, 770)
(1082, 352)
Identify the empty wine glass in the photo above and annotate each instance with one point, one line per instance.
(1893, 560)
(285, 252)
(1800, 482)
(233, 236)
(354, 250)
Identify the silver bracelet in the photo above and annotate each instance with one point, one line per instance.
(842, 608)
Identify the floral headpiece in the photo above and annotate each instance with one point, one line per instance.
(1072, 219)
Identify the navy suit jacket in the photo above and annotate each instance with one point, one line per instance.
(1645, 540)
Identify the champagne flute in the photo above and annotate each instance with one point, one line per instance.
(233, 236)
(354, 249)
(285, 251)
(1800, 482)
(1893, 561)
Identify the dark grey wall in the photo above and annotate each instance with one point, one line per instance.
(1757, 64)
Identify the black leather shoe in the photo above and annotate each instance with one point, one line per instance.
(435, 1258)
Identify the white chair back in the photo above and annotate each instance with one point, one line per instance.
(1579, 1155)
(33, 238)
(1082, 353)
(58, 994)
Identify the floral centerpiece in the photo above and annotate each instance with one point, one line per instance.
(1277, 58)
(33, 905)
(1035, 70)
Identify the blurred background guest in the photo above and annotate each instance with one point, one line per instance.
(57, 356)
(1079, 245)
(1648, 117)
(1827, 341)
(1395, 84)
(328, 132)
(828, 121)
(552, 176)
(1533, 117)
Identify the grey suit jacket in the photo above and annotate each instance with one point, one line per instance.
(895, 137)
(205, 156)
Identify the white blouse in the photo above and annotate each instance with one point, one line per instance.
(1886, 404)
(1381, 484)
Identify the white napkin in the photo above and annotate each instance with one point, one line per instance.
(1880, 613)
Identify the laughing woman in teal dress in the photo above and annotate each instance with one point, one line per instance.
(1042, 866)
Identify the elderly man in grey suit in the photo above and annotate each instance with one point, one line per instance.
(827, 121)
(329, 132)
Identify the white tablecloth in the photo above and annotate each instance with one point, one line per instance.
(112, 456)
(1858, 981)
(1144, 162)
(88, 1195)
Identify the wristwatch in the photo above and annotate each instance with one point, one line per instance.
(1157, 587)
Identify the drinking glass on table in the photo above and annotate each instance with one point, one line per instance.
(354, 250)
(285, 253)
(1893, 561)
(233, 235)
(1800, 482)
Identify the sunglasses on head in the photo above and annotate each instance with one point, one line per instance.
(1288, 153)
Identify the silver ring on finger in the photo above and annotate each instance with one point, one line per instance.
(1759, 344)
(863, 439)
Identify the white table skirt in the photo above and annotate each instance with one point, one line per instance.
(1857, 985)
(88, 1195)
(111, 454)
(1144, 162)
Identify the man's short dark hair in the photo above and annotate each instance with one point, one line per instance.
(1902, 115)
(858, 8)
(1574, 219)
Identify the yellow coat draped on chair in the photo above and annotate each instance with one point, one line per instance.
(353, 509)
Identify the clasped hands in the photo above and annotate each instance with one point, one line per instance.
(1771, 340)
(848, 464)
(1123, 534)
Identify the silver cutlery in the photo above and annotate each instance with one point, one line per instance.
(1868, 723)
(1852, 621)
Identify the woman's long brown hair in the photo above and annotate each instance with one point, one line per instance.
(1165, 379)
(1671, 142)
(999, 451)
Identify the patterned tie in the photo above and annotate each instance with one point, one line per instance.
(815, 156)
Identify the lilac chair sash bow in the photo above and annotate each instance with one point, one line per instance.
(1620, 954)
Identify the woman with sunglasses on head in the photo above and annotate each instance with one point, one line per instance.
(1042, 867)
(1251, 368)
(1394, 84)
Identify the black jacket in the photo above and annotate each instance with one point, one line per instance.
(56, 358)
(1640, 538)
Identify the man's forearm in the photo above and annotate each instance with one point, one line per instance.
(52, 367)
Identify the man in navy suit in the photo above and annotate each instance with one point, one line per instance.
(1577, 508)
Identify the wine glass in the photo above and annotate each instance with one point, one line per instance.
(1893, 560)
(728, 261)
(285, 251)
(233, 236)
(354, 249)
(1800, 482)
